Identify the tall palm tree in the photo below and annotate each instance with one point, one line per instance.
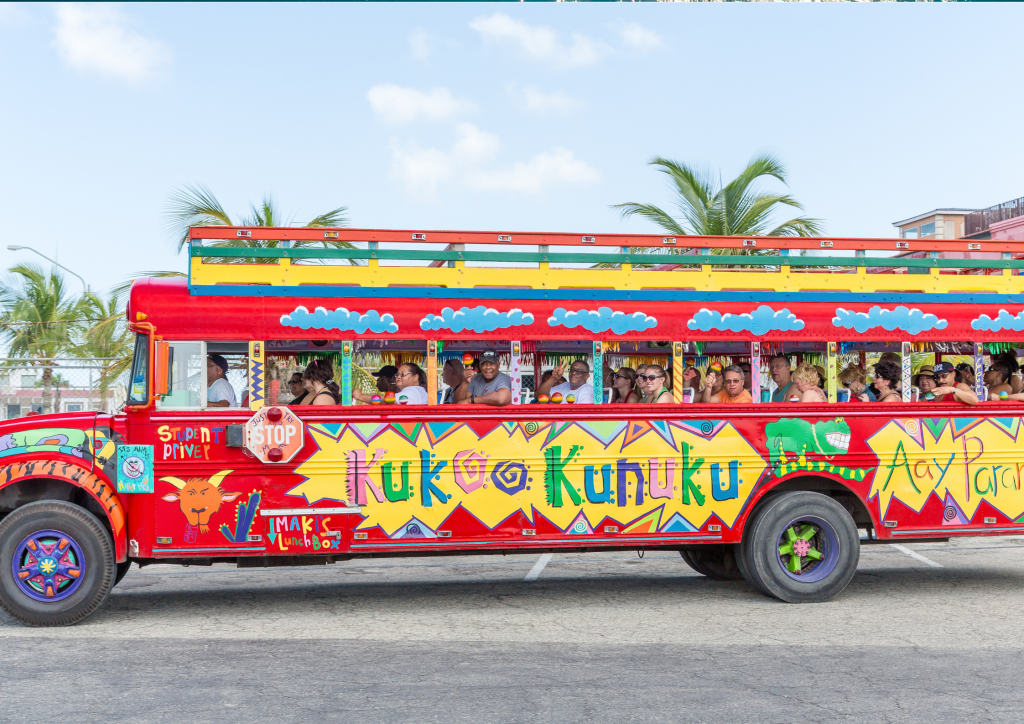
(738, 208)
(39, 319)
(197, 206)
(108, 338)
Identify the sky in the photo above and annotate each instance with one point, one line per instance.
(502, 116)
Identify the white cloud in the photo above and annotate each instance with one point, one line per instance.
(404, 105)
(540, 42)
(533, 99)
(99, 38)
(637, 36)
(419, 44)
(424, 170)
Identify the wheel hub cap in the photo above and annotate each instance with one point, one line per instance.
(48, 565)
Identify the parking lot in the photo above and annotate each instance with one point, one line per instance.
(935, 636)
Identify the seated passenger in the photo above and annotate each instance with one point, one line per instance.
(319, 381)
(654, 385)
(732, 392)
(949, 382)
(297, 389)
(579, 374)
(386, 378)
(1009, 360)
(925, 380)
(623, 383)
(807, 379)
(219, 392)
(997, 379)
(887, 376)
(782, 376)
(747, 380)
(854, 379)
(641, 383)
(454, 375)
(490, 386)
(965, 374)
(411, 382)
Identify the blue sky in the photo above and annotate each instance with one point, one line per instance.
(489, 116)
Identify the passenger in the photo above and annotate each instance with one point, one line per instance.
(691, 379)
(925, 380)
(747, 380)
(471, 370)
(807, 379)
(491, 386)
(713, 380)
(219, 392)
(997, 379)
(822, 378)
(965, 374)
(733, 392)
(411, 382)
(296, 387)
(950, 382)
(1009, 360)
(781, 375)
(854, 380)
(887, 375)
(386, 378)
(641, 383)
(654, 385)
(454, 375)
(319, 381)
(623, 383)
(579, 374)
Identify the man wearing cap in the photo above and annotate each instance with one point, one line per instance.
(386, 378)
(945, 378)
(579, 374)
(491, 386)
(219, 392)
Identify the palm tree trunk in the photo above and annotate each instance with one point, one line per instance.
(47, 390)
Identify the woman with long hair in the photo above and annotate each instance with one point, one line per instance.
(641, 370)
(623, 382)
(654, 385)
(318, 379)
(887, 375)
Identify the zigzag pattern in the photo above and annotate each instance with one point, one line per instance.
(856, 474)
(257, 381)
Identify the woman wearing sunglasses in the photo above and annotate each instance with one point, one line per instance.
(654, 382)
(623, 382)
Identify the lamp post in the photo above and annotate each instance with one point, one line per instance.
(15, 247)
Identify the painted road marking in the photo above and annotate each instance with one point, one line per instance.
(916, 556)
(538, 567)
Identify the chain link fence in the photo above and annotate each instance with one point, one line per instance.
(37, 386)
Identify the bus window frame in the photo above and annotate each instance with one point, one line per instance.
(202, 381)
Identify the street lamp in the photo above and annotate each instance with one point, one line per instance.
(15, 247)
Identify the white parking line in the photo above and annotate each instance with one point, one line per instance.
(916, 556)
(538, 567)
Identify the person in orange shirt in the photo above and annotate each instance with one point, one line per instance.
(733, 393)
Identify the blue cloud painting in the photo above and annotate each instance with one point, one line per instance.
(602, 320)
(761, 320)
(477, 319)
(340, 319)
(1003, 321)
(913, 320)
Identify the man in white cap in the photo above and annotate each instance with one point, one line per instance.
(491, 386)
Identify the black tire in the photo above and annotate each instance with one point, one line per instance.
(717, 562)
(122, 571)
(97, 549)
(830, 539)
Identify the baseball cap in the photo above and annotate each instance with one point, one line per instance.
(219, 361)
(386, 371)
(488, 355)
(943, 368)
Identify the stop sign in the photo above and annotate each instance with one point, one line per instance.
(274, 434)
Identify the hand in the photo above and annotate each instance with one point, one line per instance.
(558, 372)
(711, 379)
(863, 397)
(943, 391)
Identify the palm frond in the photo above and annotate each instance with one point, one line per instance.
(193, 206)
(802, 226)
(653, 213)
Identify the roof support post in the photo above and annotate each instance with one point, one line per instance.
(677, 372)
(979, 369)
(432, 346)
(755, 371)
(346, 372)
(515, 371)
(830, 368)
(905, 359)
(258, 377)
(598, 373)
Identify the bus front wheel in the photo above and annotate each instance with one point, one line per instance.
(56, 563)
(717, 562)
(801, 547)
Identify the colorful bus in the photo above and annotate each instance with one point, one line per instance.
(778, 493)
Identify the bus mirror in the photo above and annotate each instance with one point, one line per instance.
(161, 369)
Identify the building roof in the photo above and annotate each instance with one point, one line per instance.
(941, 210)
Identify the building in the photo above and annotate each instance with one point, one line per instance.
(943, 223)
(1002, 222)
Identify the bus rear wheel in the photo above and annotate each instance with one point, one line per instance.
(801, 547)
(717, 562)
(57, 563)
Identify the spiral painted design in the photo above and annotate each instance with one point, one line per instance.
(949, 513)
(910, 426)
(509, 477)
(579, 527)
(531, 428)
(413, 529)
(706, 428)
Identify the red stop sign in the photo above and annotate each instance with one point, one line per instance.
(274, 434)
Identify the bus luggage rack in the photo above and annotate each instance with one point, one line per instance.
(287, 257)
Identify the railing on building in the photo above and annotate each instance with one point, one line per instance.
(978, 222)
(75, 385)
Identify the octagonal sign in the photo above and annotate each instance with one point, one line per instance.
(274, 434)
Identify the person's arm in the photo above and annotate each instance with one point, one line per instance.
(965, 394)
(357, 395)
(666, 398)
(707, 394)
(498, 398)
(216, 403)
(545, 387)
(461, 393)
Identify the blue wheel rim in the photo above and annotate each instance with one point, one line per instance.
(813, 559)
(48, 566)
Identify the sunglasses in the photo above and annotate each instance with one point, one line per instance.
(576, 371)
(649, 378)
(617, 376)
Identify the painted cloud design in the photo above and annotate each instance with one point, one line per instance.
(602, 320)
(476, 319)
(340, 319)
(913, 320)
(761, 320)
(1003, 320)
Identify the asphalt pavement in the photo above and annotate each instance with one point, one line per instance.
(924, 633)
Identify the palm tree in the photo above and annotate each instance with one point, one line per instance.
(706, 207)
(39, 320)
(108, 338)
(197, 206)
